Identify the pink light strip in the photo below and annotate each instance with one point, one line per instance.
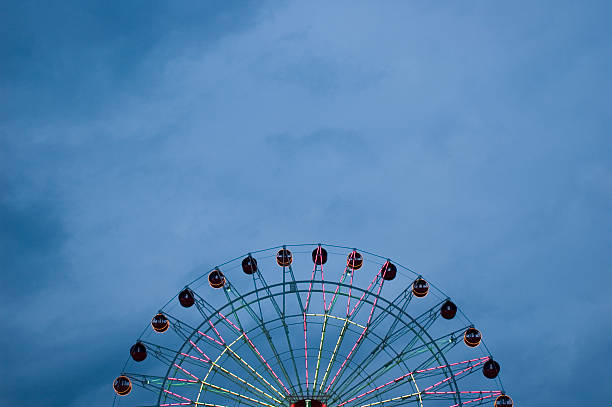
(407, 375)
(210, 338)
(199, 350)
(178, 395)
(314, 270)
(456, 374)
(217, 332)
(305, 350)
(364, 293)
(337, 286)
(360, 336)
(187, 372)
(195, 357)
(463, 392)
(348, 301)
(175, 404)
(478, 399)
(256, 350)
(182, 380)
(318, 256)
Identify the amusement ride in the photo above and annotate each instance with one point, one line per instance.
(310, 325)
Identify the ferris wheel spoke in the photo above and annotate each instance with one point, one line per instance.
(292, 288)
(243, 398)
(364, 295)
(361, 336)
(327, 311)
(186, 332)
(438, 350)
(478, 396)
(233, 395)
(332, 359)
(257, 352)
(401, 301)
(418, 397)
(250, 370)
(323, 327)
(261, 316)
(425, 320)
(343, 331)
(404, 399)
(281, 316)
(319, 258)
(166, 356)
(332, 302)
(305, 322)
(205, 307)
(447, 380)
(444, 344)
(263, 327)
(420, 373)
(155, 384)
(179, 327)
(478, 400)
(187, 403)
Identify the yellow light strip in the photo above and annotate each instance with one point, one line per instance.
(215, 364)
(255, 371)
(418, 393)
(245, 382)
(235, 394)
(392, 399)
(331, 360)
(314, 384)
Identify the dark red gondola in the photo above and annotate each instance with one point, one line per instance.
(122, 385)
(160, 323)
(388, 271)
(472, 337)
(284, 257)
(186, 298)
(249, 265)
(490, 369)
(355, 260)
(503, 401)
(420, 288)
(319, 256)
(138, 352)
(216, 279)
(448, 310)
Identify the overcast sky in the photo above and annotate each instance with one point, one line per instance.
(144, 142)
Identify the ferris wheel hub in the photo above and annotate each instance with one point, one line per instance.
(308, 403)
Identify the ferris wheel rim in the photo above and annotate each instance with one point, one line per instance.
(379, 297)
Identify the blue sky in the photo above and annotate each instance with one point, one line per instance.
(143, 142)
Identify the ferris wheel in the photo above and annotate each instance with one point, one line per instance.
(310, 325)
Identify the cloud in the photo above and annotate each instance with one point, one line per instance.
(32, 235)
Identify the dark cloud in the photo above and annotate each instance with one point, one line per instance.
(72, 58)
(32, 235)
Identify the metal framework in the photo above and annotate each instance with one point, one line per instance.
(359, 340)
